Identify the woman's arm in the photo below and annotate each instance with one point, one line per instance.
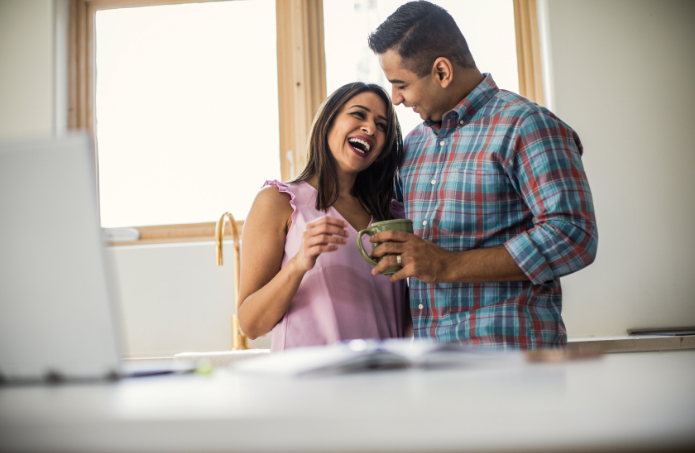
(265, 289)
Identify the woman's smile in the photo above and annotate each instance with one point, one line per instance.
(360, 145)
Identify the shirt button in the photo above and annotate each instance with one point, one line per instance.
(461, 122)
(433, 182)
(420, 306)
(442, 143)
(424, 222)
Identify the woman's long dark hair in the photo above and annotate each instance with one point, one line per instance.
(374, 186)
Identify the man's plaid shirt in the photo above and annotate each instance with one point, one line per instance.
(500, 170)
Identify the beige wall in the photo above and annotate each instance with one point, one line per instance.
(27, 70)
(623, 74)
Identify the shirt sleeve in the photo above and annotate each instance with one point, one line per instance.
(547, 172)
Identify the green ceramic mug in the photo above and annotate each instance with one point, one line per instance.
(404, 225)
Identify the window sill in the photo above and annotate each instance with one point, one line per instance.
(171, 234)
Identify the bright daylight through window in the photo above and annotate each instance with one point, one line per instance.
(186, 110)
(348, 58)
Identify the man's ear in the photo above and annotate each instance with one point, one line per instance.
(443, 71)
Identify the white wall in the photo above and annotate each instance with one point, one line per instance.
(60, 80)
(175, 298)
(623, 76)
(27, 70)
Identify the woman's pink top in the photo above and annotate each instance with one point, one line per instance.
(339, 299)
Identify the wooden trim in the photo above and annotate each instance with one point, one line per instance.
(165, 234)
(98, 5)
(81, 67)
(528, 50)
(81, 72)
(301, 78)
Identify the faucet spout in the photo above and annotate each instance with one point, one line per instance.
(239, 340)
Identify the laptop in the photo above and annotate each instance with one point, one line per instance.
(59, 315)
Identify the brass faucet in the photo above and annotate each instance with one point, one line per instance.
(239, 340)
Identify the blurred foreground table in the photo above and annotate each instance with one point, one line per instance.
(621, 402)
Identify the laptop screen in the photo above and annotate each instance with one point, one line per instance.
(57, 305)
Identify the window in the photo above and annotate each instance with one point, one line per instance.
(349, 59)
(186, 110)
(302, 71)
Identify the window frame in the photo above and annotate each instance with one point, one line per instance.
(528, 50)
(301, 84)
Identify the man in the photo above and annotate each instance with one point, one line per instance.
(495, 187)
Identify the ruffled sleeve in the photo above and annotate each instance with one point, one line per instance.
(285, 188)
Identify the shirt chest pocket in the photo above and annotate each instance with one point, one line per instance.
(476, 192)
(477, 180)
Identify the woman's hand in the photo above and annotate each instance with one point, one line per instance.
(322, 235)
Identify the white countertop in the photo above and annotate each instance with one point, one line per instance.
(634, 401)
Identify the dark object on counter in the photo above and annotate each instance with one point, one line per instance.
(668, 331)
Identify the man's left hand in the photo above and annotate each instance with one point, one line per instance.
(420, 258)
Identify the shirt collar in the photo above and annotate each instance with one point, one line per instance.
(471, 104)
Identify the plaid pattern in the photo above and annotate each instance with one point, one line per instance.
(500, 170)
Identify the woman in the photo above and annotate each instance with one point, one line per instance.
(301, 273)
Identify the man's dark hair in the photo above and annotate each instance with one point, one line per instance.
(422, 32)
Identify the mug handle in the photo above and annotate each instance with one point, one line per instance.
(360, 246)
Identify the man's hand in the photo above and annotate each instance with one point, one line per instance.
(420, 258)
(430, 263)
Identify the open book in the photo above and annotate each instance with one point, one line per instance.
(365, 355)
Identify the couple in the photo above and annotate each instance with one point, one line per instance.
(493, 183)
